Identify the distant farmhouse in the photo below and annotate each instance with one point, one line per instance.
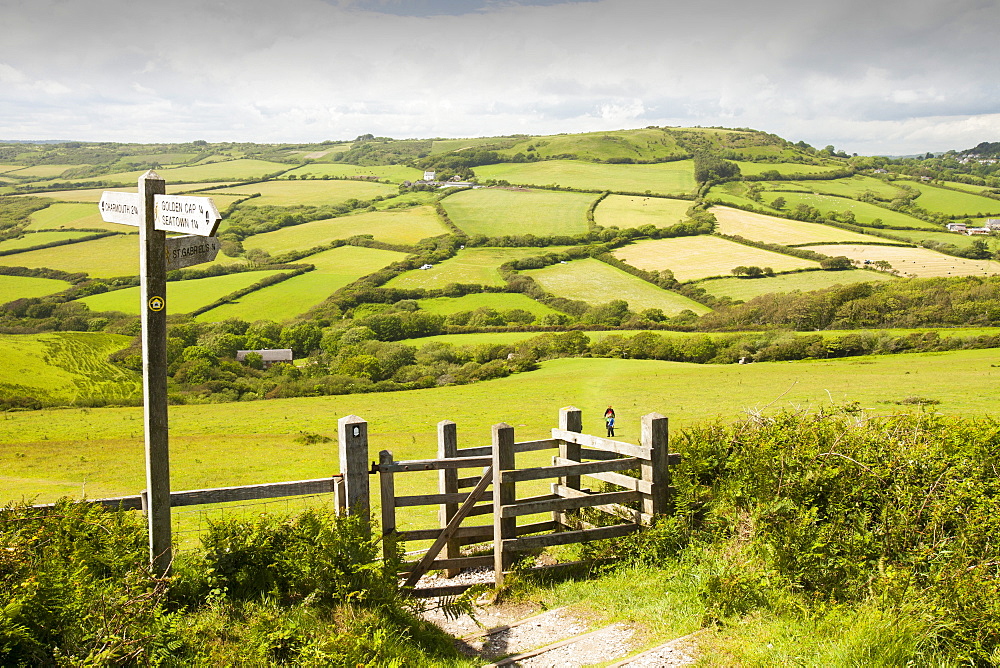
(269, 355)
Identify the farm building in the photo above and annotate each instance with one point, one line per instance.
(956, 227)
(268, 355)
(992, 224)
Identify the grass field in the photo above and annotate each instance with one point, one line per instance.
(470, 265)
(62, 367)
(100, 258)
(748, 288)
(93, 195)
(668, 178)
(919, 262)
(182, 296)
(960, 240)
(406, 226)
(691, 258)
(26, 287)
(635, 211)
(770, 229)
(968, 187)
(315, 193)
(951, 202)
(644, 144)
(595, 282)
(852, 186)
(755, 168)
(52, 453)
(334, 269)
(499, 301)
(39, 239)
(75, 215)
(39, 171)
(394, 173)
(495, 212)
(864, 213)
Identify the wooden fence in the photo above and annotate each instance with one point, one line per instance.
(633, 502)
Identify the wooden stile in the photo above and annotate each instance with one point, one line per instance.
(504, 493)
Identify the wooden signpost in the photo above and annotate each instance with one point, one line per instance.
(155, 213)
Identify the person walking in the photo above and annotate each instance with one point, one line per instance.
(609, 420)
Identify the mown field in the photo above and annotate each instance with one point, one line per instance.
(61, 368)
(334, 269)
(919, 262)
(405, 226)
(692, 258)
(770, 229)
(39, 239)
(942, 200)
(498, 301)
(635, 211)
(469, 265)
(315, 192)
(100, 258)
(182, 296)
(25, 287)
(71, 215)
(394, 173)
(221, 170)
(789, 168)
(51, 453)
(595, 282)
(803, 281)
(496, 212)
(852, 186)
(668, 178)
(953, 238)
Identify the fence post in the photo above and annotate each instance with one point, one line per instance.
(570, 419)
(504, 494)
(353, 437)
(655, 435)
(387, 488)
(448, 484)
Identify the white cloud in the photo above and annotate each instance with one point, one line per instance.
(305, 70)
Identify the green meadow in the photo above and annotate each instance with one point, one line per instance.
(693, 258)
(790, 168)
(394, 173)
(852, 186)
(40, 239)
(667, 178)
(65, 367)
(497, 212)
(311, 192)
(635, 211)
(334, 269)
(406, 226)
(182, 296)
(100, 258)
(39, 171)
(747, 288)
(493, 300)
(942, 200)
(47, 454)
(644, 144)
(26, 287)
(771, 229)
(595, 282)
(864, 213)
(93, 195)
(71, 215)
(471, 265)
(953, 238)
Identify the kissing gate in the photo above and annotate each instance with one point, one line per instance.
(603, 459)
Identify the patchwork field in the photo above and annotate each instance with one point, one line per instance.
(100, 258)
(864, 213)
(667, 178)
(635, 211)
(94, 194)
(595, 282)
(500, 301)
(64, 367)
(692, 258)
(394, 173)
(50, 454)
(334, 269)
(39, 171)
(770, 229)
(40, 239)
(919, 262)
(182, 296)
(852, 186)
(645, 144)
(405, 226)
(73, 216)
(315, 193)
(953, 202)
(470, 265)
(959, 240)
(495, 212)
(755, 168)
(26, 287)
(804, 281)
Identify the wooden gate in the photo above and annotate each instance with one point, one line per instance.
(580, 455)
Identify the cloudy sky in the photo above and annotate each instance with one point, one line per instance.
(882, 76)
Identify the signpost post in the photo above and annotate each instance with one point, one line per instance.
(155, 213)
